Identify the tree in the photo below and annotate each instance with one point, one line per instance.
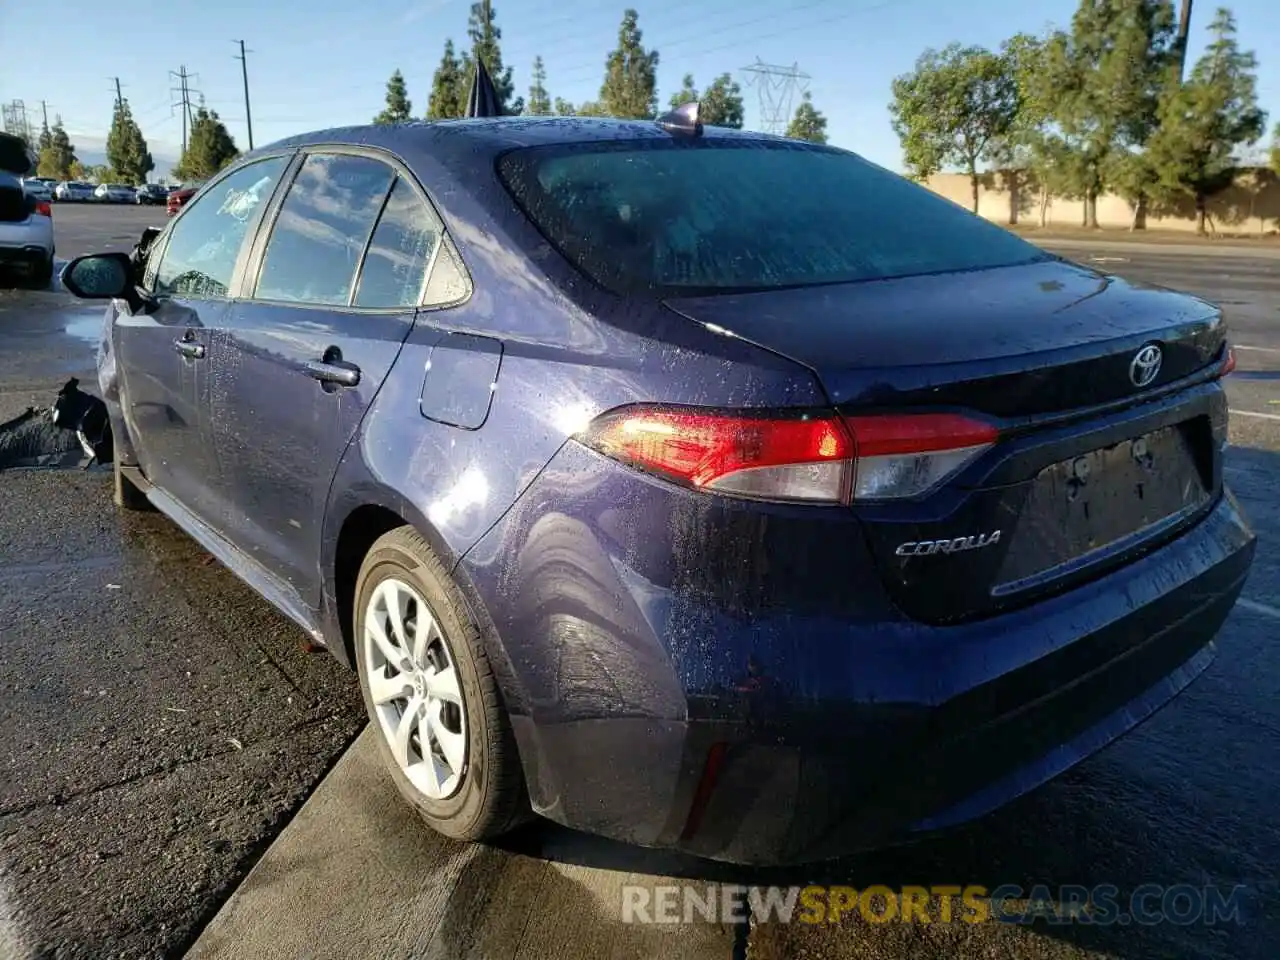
(1028, 153)
(808, 122)
(720, 105)
(448, 92)
(1275, 149)
(209, 148)
(563, 108)
(398, 108)
(46, 139)
(688, 93)
(127, 152)
(539, 100)
(630, 88)
(58, 159)
(485, 36)
(954, 110)
(1105, 79)
(1207, 119)
(98, 173)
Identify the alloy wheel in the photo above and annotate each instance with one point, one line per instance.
(415, 689)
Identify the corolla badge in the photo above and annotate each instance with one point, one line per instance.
(925, 548)
(1145, 365)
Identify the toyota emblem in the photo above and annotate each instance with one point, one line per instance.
(1145, 366)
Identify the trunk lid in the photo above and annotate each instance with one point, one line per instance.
(1025, 340)
(1070, 490)
(15, 205)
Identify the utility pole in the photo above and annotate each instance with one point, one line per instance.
(183, 93)
(119, 95)
(1180, 44)
(244, 72)
(44, 112)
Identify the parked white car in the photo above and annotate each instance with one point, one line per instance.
(26, 232)
(73, 191)
(113, 193)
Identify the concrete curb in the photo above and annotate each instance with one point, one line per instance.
(356, 874)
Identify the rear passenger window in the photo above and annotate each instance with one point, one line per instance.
(322, 229)
(400, 253)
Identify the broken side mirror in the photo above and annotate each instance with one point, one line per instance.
(103, 276)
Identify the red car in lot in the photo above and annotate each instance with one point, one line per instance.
(178, 198)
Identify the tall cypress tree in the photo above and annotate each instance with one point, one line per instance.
(630, 88)
(398, 108)
(539, 100)
(448, 92)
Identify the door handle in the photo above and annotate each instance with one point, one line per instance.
(189, 349)
(337, 371)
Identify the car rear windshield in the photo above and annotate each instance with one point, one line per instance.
(688, 218)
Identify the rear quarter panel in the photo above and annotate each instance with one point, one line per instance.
(568, 352)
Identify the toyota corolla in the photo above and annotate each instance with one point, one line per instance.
(697, 488)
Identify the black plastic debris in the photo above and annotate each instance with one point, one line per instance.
(483, 99)
(74, 431)
(16, 156)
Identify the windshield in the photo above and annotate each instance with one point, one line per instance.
(673, 217)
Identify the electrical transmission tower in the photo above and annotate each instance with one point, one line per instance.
(777, 87)
(15, 119)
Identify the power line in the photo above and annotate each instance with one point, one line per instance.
(244, 72)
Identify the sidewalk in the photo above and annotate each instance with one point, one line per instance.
(357, 875)
(1167, 242)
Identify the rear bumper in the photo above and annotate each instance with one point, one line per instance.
(656, 713)
(26, 257)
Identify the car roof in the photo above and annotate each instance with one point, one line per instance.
(452, 139)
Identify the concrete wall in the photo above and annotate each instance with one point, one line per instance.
(1250, 205)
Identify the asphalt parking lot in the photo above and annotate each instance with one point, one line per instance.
(159, 726)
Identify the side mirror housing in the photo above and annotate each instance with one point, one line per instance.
(99, 276)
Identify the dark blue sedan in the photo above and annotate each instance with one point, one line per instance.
(697, 488)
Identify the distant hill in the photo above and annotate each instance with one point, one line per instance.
(93, 152)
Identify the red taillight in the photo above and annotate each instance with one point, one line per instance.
(43, 208)
(1229, 363)
(823, 459)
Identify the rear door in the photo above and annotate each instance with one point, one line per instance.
(299, 359)
(162, 355)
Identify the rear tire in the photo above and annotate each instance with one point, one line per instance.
(124, 493)
(438, 657)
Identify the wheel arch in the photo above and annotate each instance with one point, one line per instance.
(351, 529)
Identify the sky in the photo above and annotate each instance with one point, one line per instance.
(326, 63)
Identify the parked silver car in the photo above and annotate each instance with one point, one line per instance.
(39, 188)
(26, 232)
(114, 193)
